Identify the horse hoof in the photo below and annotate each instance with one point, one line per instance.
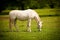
(39, 30)
(28, 30)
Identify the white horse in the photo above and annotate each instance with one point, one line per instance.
(28, 15)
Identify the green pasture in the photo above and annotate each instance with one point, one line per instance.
(50, 30)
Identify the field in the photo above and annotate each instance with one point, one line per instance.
(50, 29)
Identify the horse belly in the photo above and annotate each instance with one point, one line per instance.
(22, 17)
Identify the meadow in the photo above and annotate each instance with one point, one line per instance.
(50, 28)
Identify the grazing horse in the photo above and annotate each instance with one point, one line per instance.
(22, 15)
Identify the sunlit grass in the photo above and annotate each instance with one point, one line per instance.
(50, 30)
(48, 11)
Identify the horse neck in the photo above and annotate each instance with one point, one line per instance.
(37, 18)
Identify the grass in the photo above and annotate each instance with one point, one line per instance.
(48, 11)
(50, 30)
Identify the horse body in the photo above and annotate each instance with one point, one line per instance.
(24, 15)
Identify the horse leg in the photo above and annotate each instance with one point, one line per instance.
(28, 25)
(15, 25)
(10, 24)
(39, 26)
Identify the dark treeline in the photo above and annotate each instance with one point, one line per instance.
(25, 4)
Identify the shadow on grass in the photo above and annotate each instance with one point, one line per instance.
(48, 15)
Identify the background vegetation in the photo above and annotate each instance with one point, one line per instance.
(26, 4)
